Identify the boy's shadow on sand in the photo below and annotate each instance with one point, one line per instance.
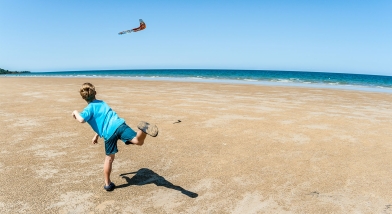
(147, 176)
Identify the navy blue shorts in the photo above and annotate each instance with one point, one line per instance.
(124, 133)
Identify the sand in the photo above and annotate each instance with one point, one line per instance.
(238, 149)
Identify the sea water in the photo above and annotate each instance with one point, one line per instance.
(363, 82)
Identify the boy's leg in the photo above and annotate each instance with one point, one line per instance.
(144, 129)
(107, 168)
(139, 139)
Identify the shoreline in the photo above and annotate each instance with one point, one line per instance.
(359, 88)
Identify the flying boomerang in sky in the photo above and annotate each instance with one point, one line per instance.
(141, 27)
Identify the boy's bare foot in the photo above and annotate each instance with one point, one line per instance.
(147, 128)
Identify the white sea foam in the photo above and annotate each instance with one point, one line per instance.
(283, 80)
(295, 80)
(383, 87)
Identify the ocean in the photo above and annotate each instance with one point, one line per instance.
(375, 83)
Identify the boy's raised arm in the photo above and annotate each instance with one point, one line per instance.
(77, 116)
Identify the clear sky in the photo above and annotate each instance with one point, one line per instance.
(349, 36)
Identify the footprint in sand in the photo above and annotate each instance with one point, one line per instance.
(388, 208)
(101, 207)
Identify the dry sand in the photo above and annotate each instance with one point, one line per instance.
(238, 149)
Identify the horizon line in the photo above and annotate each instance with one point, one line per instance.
(216, 69)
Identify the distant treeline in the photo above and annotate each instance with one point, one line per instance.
(3, 71)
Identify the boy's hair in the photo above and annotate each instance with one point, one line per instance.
(87, 91)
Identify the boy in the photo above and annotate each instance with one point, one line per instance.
(105, 122)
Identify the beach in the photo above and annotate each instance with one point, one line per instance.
(238, 149)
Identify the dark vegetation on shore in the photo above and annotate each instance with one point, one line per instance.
(3, 71)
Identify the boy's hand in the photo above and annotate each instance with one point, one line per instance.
(95, 139)
(73, 114)
(76, 115)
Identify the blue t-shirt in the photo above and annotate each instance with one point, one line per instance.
(101, 118)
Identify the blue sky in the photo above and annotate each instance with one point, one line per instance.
(330, 36)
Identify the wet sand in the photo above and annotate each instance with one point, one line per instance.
(238, 149)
